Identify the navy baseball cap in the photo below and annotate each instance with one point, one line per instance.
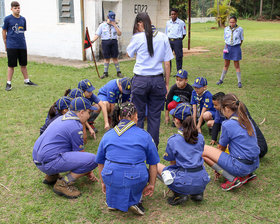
(126, 85)
(76, 93)
(86, 85)
(81, 103)
(200, 82)
(182, 74)
(63, 103)
(182, 111)
(111, 16)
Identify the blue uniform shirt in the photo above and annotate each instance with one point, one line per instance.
(134, 145)
(219, 118)
(233, 36)
(94, 99)
(64, 134)
(106, 31)
(175, 29)
(241, 145)
(15, 32)
(110, 92)
(145, 64)
(203, 101)
(186, 155)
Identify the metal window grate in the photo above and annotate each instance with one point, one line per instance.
(66, 11)
(2, 12)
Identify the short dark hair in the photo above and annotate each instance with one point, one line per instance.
(218, 96)
(174, 10)
(233, 17)
(14, 4)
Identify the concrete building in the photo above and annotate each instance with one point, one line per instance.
(56, 28)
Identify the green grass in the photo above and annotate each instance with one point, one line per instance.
(23, 111)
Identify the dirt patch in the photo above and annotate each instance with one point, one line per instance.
(194, 51)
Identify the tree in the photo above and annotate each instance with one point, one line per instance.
(221, 10)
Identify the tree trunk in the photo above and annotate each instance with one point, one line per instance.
(218, 13)
(272, 7)
(261, 7)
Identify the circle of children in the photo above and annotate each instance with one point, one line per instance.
(126, 148)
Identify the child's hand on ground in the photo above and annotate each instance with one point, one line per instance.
(213, 142)
(92, 177)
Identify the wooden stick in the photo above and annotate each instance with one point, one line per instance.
(5, 187)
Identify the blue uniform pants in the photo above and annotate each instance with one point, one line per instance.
(177, 47)
(76, 162)
(149, 91)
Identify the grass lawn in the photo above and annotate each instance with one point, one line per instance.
(24, 109)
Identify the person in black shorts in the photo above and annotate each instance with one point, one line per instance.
(15, 45)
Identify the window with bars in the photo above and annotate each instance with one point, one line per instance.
(2, 12)
(66, 11)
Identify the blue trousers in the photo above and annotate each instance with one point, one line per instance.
(149, 91)
(177, 47)
(76, 162)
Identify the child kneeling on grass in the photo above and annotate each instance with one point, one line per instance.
(203, 109)
(239, 135)
(184, 151)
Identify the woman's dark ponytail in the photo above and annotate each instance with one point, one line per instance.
(190, 132)
(52, 111)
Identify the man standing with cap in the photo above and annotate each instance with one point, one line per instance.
(61, 148)
(109, 32)
(176, 32)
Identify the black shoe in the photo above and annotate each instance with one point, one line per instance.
(29, 83)
(119, 74)
(219, 82)
(140, 205)
(197, 197)
(105, 75)
(8, 87)
(239, 85)
(177, 199)
(136, 210)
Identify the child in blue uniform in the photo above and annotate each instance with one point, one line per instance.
(233, 35)
(203, 109)
(152, 50)
(180, 92)
(115, 91)
(60, 107)
(87, 88)
(184, 151)
(60, 149)
(239, 135)
(121, 158)
(108, 32)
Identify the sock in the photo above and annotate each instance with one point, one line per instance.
(68, 178)
(223, 172)
(117, 66)
(106, 67)
(238, 76)
(223, 75)
(26, 80)
(9, 82)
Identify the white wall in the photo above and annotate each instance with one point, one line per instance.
(45, 36)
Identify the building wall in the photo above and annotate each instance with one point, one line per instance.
(45, 36)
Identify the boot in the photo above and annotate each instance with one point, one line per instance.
(51, 179)
(63, 189)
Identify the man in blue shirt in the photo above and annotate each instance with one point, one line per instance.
(61, 148)
(176, 32)
(15, 45)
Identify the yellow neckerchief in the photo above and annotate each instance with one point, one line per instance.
(70, 115)
(199, 98)
(234, 118)
(123, 126)
(232, 29)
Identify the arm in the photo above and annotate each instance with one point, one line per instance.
(200, 120)
(194, 106)
(149, 189)
(94, 38)
(100, 168)
(105, 115)
(4, 35)
(116, 27)
(91, 131)
(215, 131)
(111, 109)
(167, 119)
(167, 74)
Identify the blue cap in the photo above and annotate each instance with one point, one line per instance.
(86, 85)
(81, 103)
(126, 85)
(182, 111)
(111, 16)
(63, 103)
(74, 93)
(200, 82)
(182, 74)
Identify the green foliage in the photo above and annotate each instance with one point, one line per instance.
(24, 109)
(224, 11)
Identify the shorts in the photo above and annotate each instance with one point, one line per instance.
(15, 55)
(235, 167)
(234, 53)
(110, 48)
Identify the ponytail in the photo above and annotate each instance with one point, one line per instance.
(116, 116)
(190, 132)
(238, 107)
(52, 111)
(67, 91)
